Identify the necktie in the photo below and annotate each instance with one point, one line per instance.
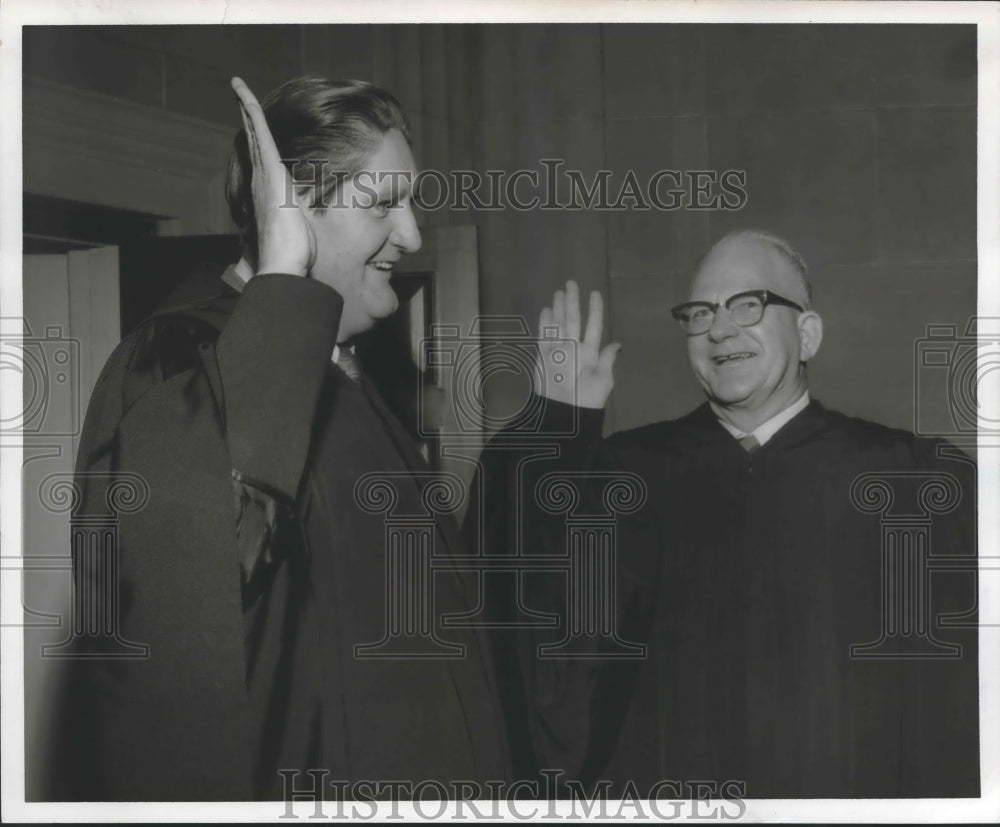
(749, 443)
(349, 364)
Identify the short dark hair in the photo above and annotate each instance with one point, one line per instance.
(339, 122)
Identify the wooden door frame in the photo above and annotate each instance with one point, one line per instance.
(98, 149)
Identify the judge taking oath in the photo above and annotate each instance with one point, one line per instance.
(749, 574)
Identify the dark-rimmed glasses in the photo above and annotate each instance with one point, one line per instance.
(745, 309)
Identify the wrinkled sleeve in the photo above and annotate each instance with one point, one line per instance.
(271, 359)
(941, 694)
(563, 710)
(217, 439)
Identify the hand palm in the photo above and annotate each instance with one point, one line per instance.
(286, 242)
(569, 368)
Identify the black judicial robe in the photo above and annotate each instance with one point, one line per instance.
(252, 589)
(748, 578)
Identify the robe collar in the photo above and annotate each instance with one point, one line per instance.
(702, 426)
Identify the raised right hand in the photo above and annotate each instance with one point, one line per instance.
(570, 369)
(286, 242)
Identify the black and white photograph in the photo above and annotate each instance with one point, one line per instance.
(501, 411)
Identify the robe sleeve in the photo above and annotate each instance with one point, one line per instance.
(940, 695)
(184, 423)
(564, 713)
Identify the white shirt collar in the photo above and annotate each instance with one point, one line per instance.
(243, 270)
(237, 277)
(766, 430)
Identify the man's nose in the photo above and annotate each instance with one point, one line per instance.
(405, 233)
(723, 326)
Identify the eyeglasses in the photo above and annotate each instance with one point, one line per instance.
(746, 309)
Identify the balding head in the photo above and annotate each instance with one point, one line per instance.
(753, 373)
(757, 254)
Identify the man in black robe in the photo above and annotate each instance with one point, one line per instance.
(767, 572)
(253, 607)
(252, 557)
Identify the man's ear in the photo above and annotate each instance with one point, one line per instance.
(810, 334)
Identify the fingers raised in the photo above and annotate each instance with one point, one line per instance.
(595, 321)
(572, 330)
(251, 138)
(565, 316)
(286, 241)
(559, 312)
(263, 150)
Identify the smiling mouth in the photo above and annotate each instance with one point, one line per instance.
(384, 266)
(730, 358)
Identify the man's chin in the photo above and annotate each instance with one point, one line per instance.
(731, 395)
(384, 307)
